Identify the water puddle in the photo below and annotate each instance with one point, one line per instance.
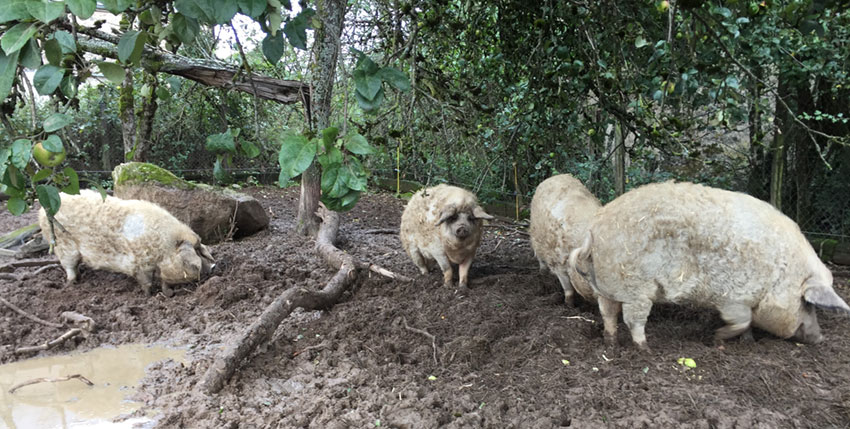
(115, 372)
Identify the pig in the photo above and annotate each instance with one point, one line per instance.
(687, 243)
(561, 212)
(132, 237)
(443, 224)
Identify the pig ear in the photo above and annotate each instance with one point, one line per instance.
(448, 211)
(824, 296)
(205, 252)
(479, 213)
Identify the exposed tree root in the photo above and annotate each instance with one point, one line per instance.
(50, 344)
(425, 333)
(239, 348)
(51, 380)
(29, 316)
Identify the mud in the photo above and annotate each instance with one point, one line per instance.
(508, 355)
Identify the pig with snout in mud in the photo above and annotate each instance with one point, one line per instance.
(443, 224)
(132, 237)
(561, 212)
(687, 243)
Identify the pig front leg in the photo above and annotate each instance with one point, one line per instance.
(69, 262)
(738, 318)
(145, 280)
(567, 286)
(445, 267)
(463, 274)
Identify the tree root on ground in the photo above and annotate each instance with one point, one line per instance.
(51, 380)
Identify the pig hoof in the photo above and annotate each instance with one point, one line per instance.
(643, 348)
(462, 291)
(168, 292)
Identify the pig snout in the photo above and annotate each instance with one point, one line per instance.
(463, 230)
(809, 331)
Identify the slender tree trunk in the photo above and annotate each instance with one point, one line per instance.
(619, 160)
(105, 162)
(325, 52)
(757, 180)
(147, 112)
(778, 148)
(126, 111)
(804, 154)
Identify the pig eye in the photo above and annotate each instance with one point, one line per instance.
(452, 218)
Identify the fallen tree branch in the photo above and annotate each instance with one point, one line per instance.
(29, 316)
(425, 333)
(383, 271)
(51, 380)
(323, 344)
(381, 231)
(11, 266)
(229, 360)
(51, 344)
(22, 277)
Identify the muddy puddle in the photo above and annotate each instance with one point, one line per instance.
(114, 373)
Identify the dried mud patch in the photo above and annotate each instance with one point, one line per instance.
(510, 354)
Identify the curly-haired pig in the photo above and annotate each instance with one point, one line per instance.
(687, 243)
(132, 237)
(561, 212)
(443, 224)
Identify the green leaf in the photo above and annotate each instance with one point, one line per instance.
(68, 86)
(31, 55)
(111, 71)
(273, 47)
(296, 28)
(53, 144)
(332, 185)
(83, 9)
(369, 105)
(296, 155)
(329, 136)
(45, 10)
(252, 8)
(5, 153)
(196, 9)
(356, 143)
(16, 37)
(224, 10)
(73, 186)
(13, 10)
(174, 83)
(21, 152)
(332, 157)
(54, 122)
(116, 6)
(219, 172)
(15, 182)
(66, 41)
(42, 174)
(16, 206)
(640, 42)
(48, 197)
(8, 69)
(185, 28)
(367, 85)
(395, 78)
(221, 143)
(162, 93)
(47, 78)
(130, 46)
(249, 149)
(53, 52)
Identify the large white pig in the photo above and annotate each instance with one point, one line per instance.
(687, 243)
(443, 224)
(561, 212)
(132, 237)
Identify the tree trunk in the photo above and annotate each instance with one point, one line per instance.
(779, 147)
(146, 116)
(326, 52)
(804, 155)
(105, 162)
(126, 112)
(619, 160)
(758, 175)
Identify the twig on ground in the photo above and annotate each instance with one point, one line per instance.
(425, 333)
(51, 344)
(78, 320)
(580, 318)
(29, 316)
(229, 236)
(323, 344)
(11, 266)
(51, 380)
(383, 271)
(381, 231)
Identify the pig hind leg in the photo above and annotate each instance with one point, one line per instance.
(70, 261)
(738, 318)
(635, 314)
(610, 310)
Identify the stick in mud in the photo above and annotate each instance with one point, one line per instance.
(51, 344)
(51, 380)
(425, 333)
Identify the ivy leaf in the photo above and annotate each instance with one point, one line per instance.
(252, 8)
(45, 10)
(66, 41)
(130, 46)
(111, 71)
(296, 28)
(8, 69)
(357, 144)
(83, 9)
(13, 10)
(54, 122)
(48, 197)
(395, 78)
(221, 143)
(296, 155)
(185, 28)
(17, 36)
(47, 78)
(21, 152)
(273, 47)
(30, 55)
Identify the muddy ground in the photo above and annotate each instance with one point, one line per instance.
(508, 355)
